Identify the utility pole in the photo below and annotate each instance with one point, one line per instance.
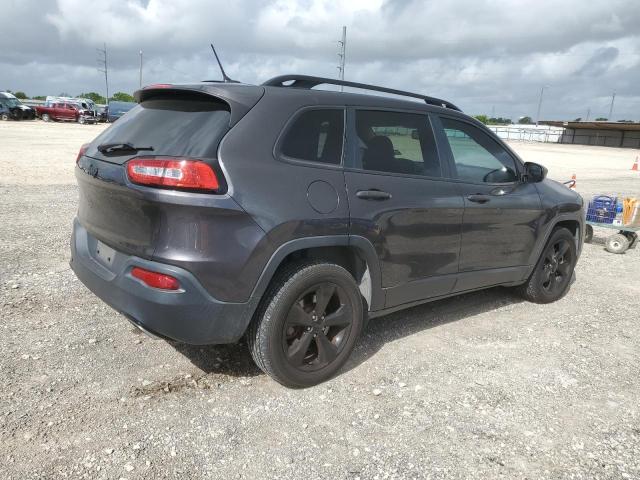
(102, 67)
(613, 97)
(342, 54)
(140, 68)
(540, 103)
(588, 114)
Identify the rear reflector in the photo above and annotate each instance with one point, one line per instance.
(155, 279)
(172, 172)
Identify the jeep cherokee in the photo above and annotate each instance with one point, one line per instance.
(291, 215)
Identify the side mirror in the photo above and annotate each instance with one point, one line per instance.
(534, 172)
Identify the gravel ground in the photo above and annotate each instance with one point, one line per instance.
(480, 386)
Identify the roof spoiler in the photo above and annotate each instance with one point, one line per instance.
(308, 82)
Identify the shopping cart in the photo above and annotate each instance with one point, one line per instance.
(602, 212)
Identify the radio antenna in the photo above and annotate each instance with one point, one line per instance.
(225, 78)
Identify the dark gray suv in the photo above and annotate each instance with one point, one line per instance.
(291, 215)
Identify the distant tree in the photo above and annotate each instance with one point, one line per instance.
(622, 121)
(21, 95)
(525, 120)
(499, 121)
(602, 119)
(122, 97)
(579, 119)
(482, 118)
(96, 97)
(39, 97)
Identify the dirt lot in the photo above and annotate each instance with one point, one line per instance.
(480, 386)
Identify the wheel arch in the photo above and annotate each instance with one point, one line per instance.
(356, 254)
(573, 223)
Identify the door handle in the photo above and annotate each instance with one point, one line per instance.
(373, 194)
(478, 198)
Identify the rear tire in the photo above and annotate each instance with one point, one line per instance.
(552, 274)
(5, 117)
(45, 117)
(307, 324)
(617, 243)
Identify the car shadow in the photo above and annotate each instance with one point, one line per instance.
(235, 359)
(389, 328)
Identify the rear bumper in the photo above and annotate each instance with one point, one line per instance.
(189, 315)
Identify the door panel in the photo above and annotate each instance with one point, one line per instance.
(413, 220)
(501, 214)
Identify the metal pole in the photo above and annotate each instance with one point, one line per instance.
(613, 97)
(140, 68)
(588, 114)
(539, 106)
(342, 55)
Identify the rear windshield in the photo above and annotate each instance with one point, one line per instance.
(175, 126)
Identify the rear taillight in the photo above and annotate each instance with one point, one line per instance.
(82, 151)
(172, 172)
(155, 279)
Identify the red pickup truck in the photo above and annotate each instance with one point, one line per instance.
(65, 111)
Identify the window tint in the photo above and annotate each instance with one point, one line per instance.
(316, 136)
(174, 125)
(477, 157)
(396, 142)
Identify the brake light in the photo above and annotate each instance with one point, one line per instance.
(82, 151)
(155, 279)
(172, 172)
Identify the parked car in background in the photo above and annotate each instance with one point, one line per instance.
(116, 109)
(82, 103)
(69, 112)
(101, 114)
(11, 108)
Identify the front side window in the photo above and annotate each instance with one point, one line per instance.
(316, 136)
(477, 157)
(396, 142)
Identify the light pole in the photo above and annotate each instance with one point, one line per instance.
(140, 68)
(540, 103)
(613, 98)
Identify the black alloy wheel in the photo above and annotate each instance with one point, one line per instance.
(317, 326)
(558, 265)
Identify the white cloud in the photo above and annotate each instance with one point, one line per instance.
(480, 54)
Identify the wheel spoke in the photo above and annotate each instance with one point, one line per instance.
(327, 351)
(323, 295)
(298, 350)
(563, 248)
(297, 316)
(340, 317)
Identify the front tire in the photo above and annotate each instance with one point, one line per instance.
(307, 324)
(45, 117)
(552, 274)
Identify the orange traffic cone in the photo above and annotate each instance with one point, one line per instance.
(573, 182)
(635, 165)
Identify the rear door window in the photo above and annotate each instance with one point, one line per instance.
(477, 157)
(316, 136)
(396, 142)
(172, 125)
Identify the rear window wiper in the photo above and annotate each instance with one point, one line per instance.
(120, 147)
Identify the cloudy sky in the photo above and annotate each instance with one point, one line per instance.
(484, 55)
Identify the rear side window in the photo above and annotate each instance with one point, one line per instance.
(176, 125)
(316, 136)
(478, 158)
(396, 142)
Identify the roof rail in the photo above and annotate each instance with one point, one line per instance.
(307, 81)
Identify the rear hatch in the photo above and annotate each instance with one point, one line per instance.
(175, 124)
